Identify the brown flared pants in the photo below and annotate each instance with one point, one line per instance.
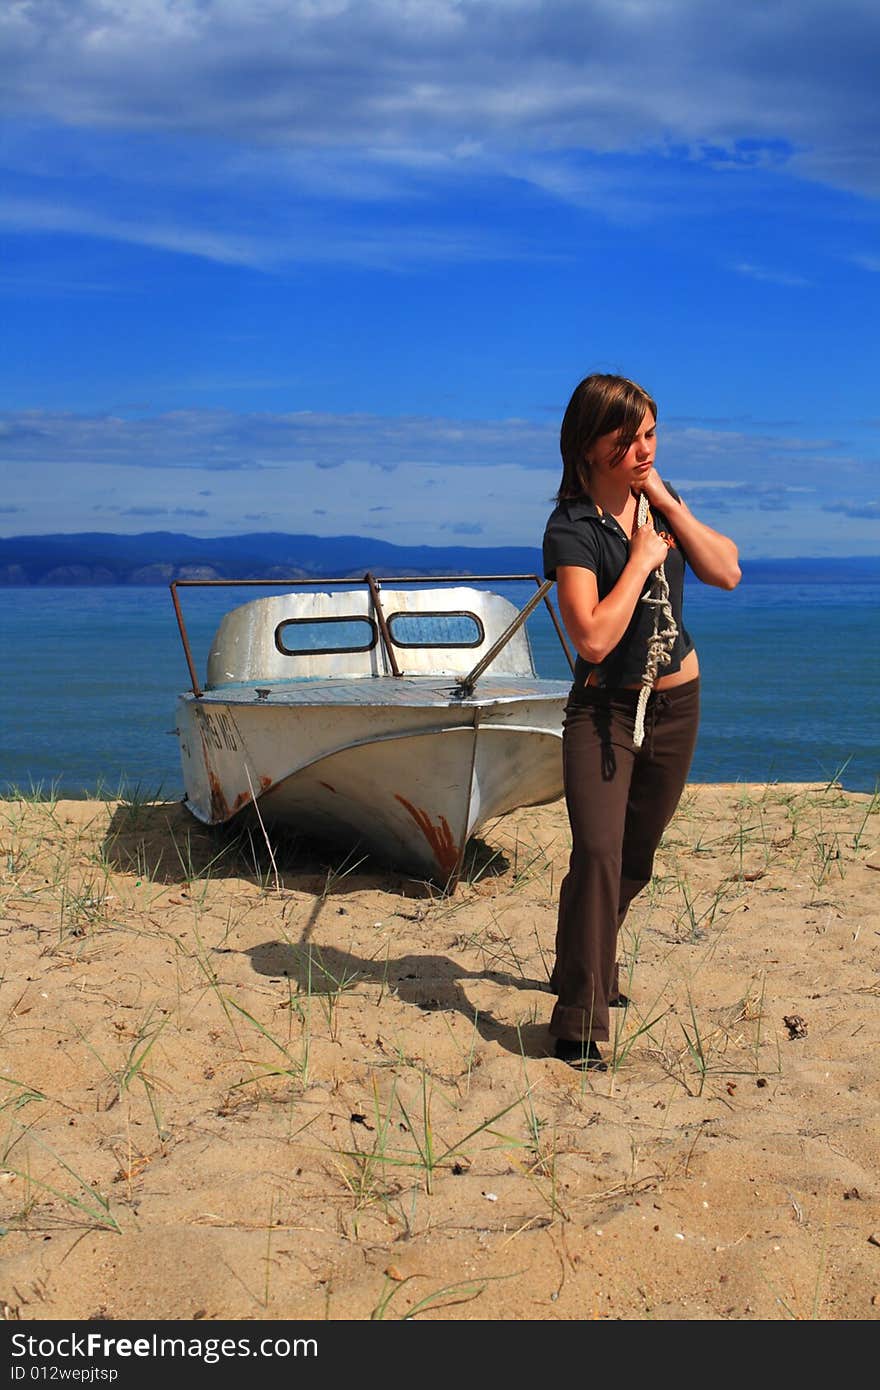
(620, 799)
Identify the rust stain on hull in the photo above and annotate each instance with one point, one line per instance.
(439, 836)
(244, 798)
(219, 808)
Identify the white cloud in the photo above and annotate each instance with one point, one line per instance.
(218, 441)
(19, 214)
(771, 277)
(411, 479)
(222, 440)
(464, 81)
(303, 237)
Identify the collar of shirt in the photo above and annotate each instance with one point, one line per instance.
(579, 507)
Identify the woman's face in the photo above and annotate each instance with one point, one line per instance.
(638, 460)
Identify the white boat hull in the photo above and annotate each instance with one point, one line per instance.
(372, 718)
(410, 784)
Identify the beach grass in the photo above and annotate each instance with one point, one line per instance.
(265, 1079)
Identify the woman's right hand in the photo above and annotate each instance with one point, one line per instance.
(648, 549)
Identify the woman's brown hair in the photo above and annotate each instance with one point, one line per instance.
(599, 405)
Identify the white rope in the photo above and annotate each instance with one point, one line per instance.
(661, 642)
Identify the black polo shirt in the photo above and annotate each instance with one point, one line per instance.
(580, 533)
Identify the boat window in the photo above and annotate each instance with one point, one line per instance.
(314, 636)
(436, 630)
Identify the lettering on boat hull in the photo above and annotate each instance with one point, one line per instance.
(219, 730)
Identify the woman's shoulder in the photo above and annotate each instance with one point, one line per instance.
(568, 540)
(558, 517)
(569, 510)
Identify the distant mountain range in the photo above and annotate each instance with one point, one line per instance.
(157, 557)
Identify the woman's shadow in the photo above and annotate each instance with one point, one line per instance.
(162, 842)
(426, 982)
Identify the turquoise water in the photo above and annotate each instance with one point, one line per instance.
(87, 702)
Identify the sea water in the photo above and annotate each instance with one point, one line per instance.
(91, 677)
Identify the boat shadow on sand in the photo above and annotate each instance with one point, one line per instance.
(161, 842)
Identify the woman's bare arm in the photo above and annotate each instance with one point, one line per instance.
(596, 626)
(713, 557)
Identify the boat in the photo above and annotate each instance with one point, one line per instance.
(400, 716)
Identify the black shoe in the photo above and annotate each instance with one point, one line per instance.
(621, 1002)
(582, 1056)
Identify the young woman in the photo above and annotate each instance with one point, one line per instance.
(620, 796)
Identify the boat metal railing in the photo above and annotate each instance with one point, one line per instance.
(383, 625)
(465, 685)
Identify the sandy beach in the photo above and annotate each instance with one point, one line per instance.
(315, 1089)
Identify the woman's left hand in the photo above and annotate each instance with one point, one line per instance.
(712, 557)
(654, 489)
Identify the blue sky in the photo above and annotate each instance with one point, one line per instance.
(335, 266)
